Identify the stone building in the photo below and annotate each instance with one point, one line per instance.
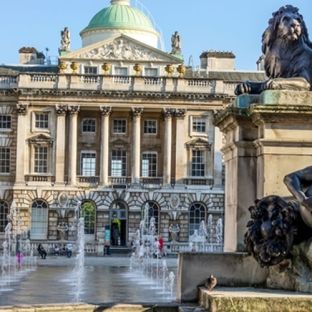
(117, 128)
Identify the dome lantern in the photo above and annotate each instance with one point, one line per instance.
(120, 2)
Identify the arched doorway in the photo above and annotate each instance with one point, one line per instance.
(197, 214)
(39, 219)
(151, 210)
(88, 212)
(118, 223)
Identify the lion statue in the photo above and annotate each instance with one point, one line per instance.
(287, 53)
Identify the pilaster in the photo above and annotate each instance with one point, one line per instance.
(168, 114)
(72, 152)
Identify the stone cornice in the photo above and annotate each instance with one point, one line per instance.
(125, 94)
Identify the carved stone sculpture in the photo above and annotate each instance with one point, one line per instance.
(175, 43)
(287, 54)
(277, 224)
(65, 40)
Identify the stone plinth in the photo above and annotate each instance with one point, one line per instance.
(250, 299)
(266, 137)
(231, 269)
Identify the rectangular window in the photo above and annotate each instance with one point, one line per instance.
(90, 70)
(41, 159)
(199, 124)
(198, 163)
(119, 126)
(119, 163)
(121, 71)
(88, 164)
(150, 127)
(42, 120)
(88, 125)
(150, 72)
(149, 164)
(4, 160)
(5, 122)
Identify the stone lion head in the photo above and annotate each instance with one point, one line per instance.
(286, 34)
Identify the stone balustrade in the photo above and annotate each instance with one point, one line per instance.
(111, 83)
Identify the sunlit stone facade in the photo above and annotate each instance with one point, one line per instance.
(117, 127)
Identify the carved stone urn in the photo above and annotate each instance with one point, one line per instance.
(106, 68)
(62, 66)
(137, 68)
(181, 70)
(74, 67)
(169, 69)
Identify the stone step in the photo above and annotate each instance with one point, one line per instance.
(252, 299)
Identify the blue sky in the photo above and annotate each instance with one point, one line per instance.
(225, 25)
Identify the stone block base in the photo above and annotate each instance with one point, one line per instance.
(252, 299)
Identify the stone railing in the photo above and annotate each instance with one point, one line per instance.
(119, 181)
(151, 182)
(111, 83)
(39, 178)
(198, 181)
(88, 180)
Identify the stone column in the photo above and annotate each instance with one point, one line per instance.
(105, 112)
(168, 113)
(60, 143)
(181, 153)
(21, 150)
(72, 147)
(136, 148)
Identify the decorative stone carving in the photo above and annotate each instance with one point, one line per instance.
(180, 113)
(175, 43)
(61, 109)
(287, 53)
(65, 40)
(105, 110)
(21, 109)
(168, 112)
(73, 109)
(137, 111)
(121, 49)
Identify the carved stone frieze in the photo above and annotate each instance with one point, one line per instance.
(121, 49)
(21, 109)
(61, 109)
(106, 110)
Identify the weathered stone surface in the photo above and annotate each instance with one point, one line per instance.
(250, 299)
(231, 269)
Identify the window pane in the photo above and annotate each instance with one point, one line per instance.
(199, 124)
(39, 220)
(41, 159)
(197, 214)
(198, 163)
(4, 160)
(90, 70)
(88, 212)
(119, 125)
(118, 163)
(42, 120)
(149, 165)
(150, 126)
(121, 71)
(5, 122)
(88, 125)
(88, 164)
(151, 72)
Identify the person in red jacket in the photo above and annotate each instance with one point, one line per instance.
(161, 246)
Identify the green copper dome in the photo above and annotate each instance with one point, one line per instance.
(119, 15)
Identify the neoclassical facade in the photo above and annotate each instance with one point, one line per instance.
(117, 128)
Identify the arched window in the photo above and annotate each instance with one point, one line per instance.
(88, 211)
(39, 219)
(4, 211)
(197, 214)
(151, 210)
